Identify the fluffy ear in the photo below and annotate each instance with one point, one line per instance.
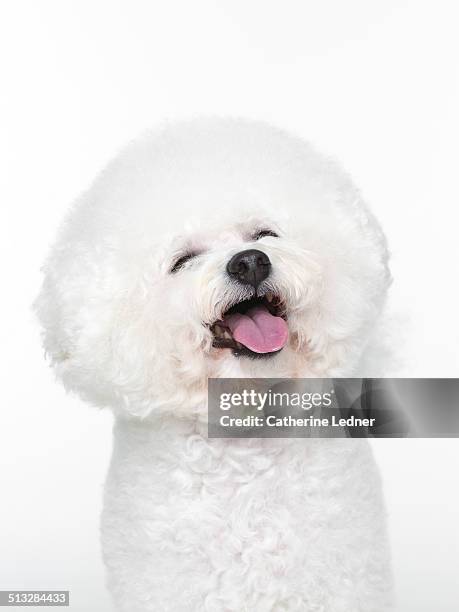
(107, 326)
(75, 308)
(57, 346)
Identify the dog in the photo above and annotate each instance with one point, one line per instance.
(226, 248)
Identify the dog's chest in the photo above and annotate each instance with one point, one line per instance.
(202, 513)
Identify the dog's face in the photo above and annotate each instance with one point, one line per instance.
(240, 293)
(283, 278)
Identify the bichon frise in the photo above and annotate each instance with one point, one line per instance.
(237, 224)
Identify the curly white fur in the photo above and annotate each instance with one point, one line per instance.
(192, 523)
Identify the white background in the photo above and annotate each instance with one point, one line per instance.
(374, 82)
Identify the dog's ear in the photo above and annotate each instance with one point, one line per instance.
(46, 306)
(97, 326)
(75, 308)
(58, 331)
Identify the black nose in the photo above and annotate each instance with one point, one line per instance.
(249, 267)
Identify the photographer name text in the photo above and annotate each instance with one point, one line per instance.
(252, 421)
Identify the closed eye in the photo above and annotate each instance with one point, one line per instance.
(263, 233)
(181, 262)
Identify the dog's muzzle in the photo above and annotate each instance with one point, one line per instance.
(257, 326)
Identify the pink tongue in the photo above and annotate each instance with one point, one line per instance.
(258, 330)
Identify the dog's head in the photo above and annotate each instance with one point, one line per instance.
(208, 249)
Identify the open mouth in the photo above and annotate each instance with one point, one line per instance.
(255, 328)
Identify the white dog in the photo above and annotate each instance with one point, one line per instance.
(237, 224)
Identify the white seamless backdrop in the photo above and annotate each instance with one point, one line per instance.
(373, 82)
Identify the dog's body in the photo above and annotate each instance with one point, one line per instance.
(223, 249)
(249, 525)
